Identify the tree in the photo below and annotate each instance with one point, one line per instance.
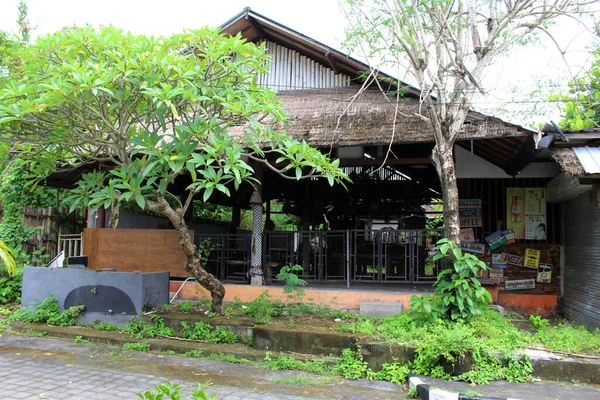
(150, 112)
(582, 103)
(447, 46)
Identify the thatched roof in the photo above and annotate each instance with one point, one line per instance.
(568, 161)
(342, 117)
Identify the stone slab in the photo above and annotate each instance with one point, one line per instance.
(380, 309)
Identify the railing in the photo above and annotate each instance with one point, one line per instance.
(348, 255)
(71, 244)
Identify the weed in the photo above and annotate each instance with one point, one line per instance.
(185, 306)
(80, 339)
(114, 356)
(141, 329)
(471, 393)
(166, 391)
(394, 372)
(194, 353)
(48, 312)
(106, 326)
(412, 393)
(137, 346)
(223, 335)
(351, 365)
(538, 322)
(569, 338)
(249, 341)
(170, 352)
(33, 332)
(94, 291)
(301, 380)
(262, 308)
(289, 274)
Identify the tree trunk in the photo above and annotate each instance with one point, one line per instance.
(194, 261)
(443, 155)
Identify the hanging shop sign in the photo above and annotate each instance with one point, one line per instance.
(512, 259)
(497, 262)
(469, 211)
(520, 284)
(515, 218)
(477, 248)
(532, 258)
(496, 240)
(544, 274)
(535, 213)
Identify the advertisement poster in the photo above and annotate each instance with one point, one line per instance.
(496, 240)
(476, 248)
(519, 284)
(496, 273)
(532, 258)
(469, 213)
(467, 235)
(535, 213)
(512, 259)
(544, 274)
(510, 236)
(515, 212)
(496, 262)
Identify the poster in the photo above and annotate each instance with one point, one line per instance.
(496, 273)
(497, 262)
(519, 284)
(515, 218)
(535, 213)
(532, 258)
(544, 274)
(510, 236)
(469, 211)
(467, 235)
(496, 240)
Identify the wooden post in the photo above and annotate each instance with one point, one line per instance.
(256, 271)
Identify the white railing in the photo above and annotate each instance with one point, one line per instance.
(71, 244)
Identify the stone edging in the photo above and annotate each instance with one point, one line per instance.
(429, 392)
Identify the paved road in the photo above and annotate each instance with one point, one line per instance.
(52, 369)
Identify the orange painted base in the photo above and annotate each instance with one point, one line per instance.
(527, 304)
(339, 299)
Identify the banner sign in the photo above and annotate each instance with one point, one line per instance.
(515, 218)
(535, 213)
(519, 284)
(497, 262)
(544, 274)
(532, 258)
(496, 273)
(477, 248)
(496, 240)
(469, 211)
(512, 259)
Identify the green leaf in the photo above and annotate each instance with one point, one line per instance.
(139, 199)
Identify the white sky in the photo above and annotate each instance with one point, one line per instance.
(322, 20)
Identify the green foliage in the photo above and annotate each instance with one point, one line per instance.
(204, 331)
(284, 362)
(194, 354)
(289, 274)
(137, 346)
(262, 308)
(80, 339)
(11, 286)
(48, 312)
(538, 322)
(458, 294)
(223, 335)
(412, 393)
(394, 372)
(350, 365)
(141, 329)
(570, 338)
(106, 326)
(167, 391)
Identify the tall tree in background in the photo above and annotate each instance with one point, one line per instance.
(582, 103)
(150, 111)
(447, 46)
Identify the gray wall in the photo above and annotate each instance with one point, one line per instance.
(581, 296)
(138, 221)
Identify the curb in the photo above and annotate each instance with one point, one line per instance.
(429, 392)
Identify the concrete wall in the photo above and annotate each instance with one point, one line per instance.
(471, 166)
(108, 296)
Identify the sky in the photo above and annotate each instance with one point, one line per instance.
(510, 83)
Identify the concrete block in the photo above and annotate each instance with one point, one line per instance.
(498, 308)
(108, 296)
(375, 308)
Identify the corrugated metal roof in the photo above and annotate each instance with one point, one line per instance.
(589, 157)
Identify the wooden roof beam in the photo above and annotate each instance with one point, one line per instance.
(257, 28)
(332, 63)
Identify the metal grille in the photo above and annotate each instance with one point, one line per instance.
(350, 255)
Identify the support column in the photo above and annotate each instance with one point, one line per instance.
(256, 272)
(95, 219)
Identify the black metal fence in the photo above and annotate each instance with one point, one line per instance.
(349, 255)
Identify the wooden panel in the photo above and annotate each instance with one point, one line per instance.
(128, 250)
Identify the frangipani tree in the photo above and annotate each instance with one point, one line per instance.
(150, 110)
(448, 46)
